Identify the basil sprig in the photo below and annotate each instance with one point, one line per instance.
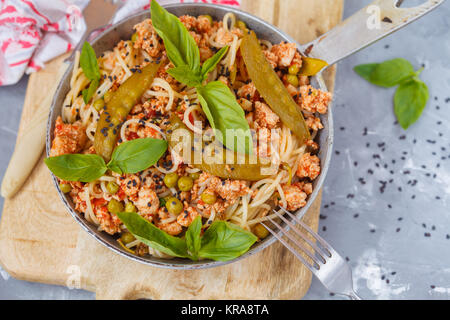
(152, 236)
(89, 65)
(193, 239)
(77, 167)
(409, 101)
(224, 113)
(137, 155)
(128, 158)
(217, 100)
(222, 241)
(412, 93)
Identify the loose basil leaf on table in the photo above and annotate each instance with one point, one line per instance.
(89, 63)
(77, 167)
(89, 93)
(152, 236)
(224, 241)
(137, 155)
(193, 239)
(210, 64)
(180, 45)
(224, 113)
(391, 73)
(366, 70)
(410, 99)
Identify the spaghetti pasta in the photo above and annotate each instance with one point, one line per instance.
(243, 203)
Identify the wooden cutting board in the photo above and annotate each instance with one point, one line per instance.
(40, 241)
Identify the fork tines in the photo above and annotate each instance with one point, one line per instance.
(320, 251)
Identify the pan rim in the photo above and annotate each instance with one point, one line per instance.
(204, 264)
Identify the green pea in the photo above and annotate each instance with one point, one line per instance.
(241, 25)
(260, 231)
(130, 207)
(208, 198)
(185, 183)
(195, 175)
(112, 187)
(127, 238)
(170, 180)
(134, 37)
(115, 206)
(65, 187)
(99, 104)
(292, 79)
(174, 206)
(207, 16)
(294, 69)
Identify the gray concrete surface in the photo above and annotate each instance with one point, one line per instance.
(396, 237)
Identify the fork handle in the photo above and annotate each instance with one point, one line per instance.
(354, 296)
(367, 26)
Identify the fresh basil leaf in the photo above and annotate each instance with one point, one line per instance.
(224, 113)
(193, 240)
(210, 64)
(77, 167)
(152, 236)
(410, 99)
(180, 45)
(137, 155)
(88, 62)
(89, 93)
(224, 241)
(184, 75)
(392, 72)
(366, 70)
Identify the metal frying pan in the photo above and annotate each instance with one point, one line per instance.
(347, 38)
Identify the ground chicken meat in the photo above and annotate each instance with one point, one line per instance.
(245, 104)
(147, 201)
(173, 228)
(309, 166)
(314, 123)
(224, 37)
(247, 91)
(147, 38)
(265, 117)
(272, 58)
(295, 197)
(285, 53)
(69, 138)
(189, 22)
(312, 145)
(314, 100)
(264, 136)
(306, 187)
(219, 208)
(187, 216)
(293, 91)
(109, 222)
(228, 190)
(231, 190)
(130, 185)
(203, 24)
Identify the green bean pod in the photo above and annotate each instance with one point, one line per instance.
(271, 87)
(249, 167)
(119, 106)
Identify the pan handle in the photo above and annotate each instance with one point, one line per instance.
(367, 26)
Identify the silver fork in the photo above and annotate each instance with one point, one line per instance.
(327, 265)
